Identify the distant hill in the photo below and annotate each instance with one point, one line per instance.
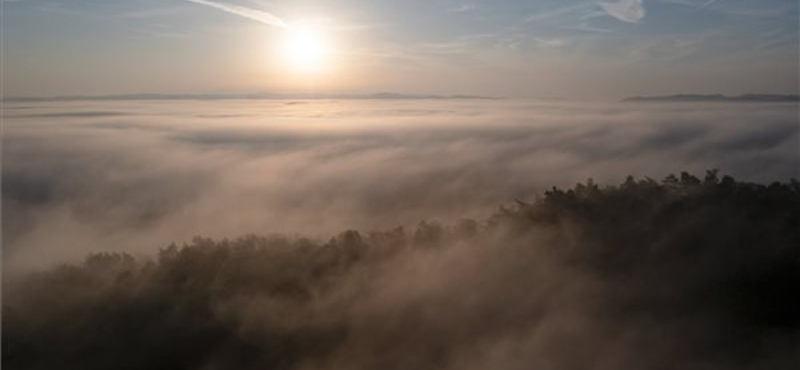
(767, 98)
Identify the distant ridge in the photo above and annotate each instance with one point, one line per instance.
(715, 97)
(253, 96)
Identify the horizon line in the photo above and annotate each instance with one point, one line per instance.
(253, 96)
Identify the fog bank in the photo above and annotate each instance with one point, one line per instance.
(136, 175)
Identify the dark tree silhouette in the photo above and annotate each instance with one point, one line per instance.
(683, 273)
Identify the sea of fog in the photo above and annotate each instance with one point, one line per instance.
(82, 176)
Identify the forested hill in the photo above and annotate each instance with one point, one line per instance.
(688, 273)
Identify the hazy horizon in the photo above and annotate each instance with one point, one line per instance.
(374, 95)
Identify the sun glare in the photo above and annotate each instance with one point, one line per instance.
(305, 49)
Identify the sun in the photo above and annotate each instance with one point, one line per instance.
(305, 49)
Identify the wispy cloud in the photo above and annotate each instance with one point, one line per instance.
(630, 11)
(708, 3)
(698, 4)
(464, 8)
(549, 42)
(245, 12)
(586, 27)
(578, 10)
(742, 9)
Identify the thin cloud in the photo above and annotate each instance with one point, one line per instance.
(580, 9)
(463, 8)
(549, 42)
(245, 12)
(708, 4)
(699, 5)
(585, 27)
(629, 11)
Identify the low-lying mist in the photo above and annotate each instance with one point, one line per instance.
(88, 176)
(686, 273)
(400, 235)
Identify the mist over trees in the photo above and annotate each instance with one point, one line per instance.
(130, 176)
(683, 273)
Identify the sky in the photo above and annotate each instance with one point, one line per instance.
(510, 48)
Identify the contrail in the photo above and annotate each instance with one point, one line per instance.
(709, 3)
(242, 11)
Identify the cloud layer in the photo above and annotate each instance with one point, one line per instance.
(134, 176)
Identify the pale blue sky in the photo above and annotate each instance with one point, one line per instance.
(565, 48)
